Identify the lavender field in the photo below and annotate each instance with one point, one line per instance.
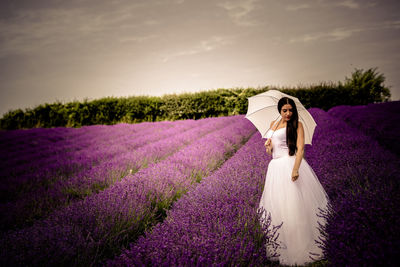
(186, 193)
(380, 121)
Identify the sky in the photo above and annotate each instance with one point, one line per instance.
(56, 50)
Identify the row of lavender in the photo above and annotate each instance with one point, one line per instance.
(364, 180)
(29, 150)
(97, 227)
(216, 223)
(380, 121)
(36, 189)
(38, 157)
(114, 162)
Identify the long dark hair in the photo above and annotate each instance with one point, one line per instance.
(291, 125)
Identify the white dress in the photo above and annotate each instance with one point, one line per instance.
(293, 203)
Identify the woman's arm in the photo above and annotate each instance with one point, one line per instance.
(300, 151)
(268, 143)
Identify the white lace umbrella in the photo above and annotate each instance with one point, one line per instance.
(263, 109)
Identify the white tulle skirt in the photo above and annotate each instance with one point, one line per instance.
(296, 205)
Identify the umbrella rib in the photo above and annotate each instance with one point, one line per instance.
(270, 96)
(259, 110)
(298, 108)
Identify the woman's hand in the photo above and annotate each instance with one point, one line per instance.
(295, 175)
(268, 146)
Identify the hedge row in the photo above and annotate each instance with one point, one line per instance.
(361, 88)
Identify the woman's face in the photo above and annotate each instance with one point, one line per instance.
(286, 112)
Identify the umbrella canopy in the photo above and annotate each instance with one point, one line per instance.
(263, 109)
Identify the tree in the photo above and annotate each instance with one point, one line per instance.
(367, 87)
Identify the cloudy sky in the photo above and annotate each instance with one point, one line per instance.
(65, 50)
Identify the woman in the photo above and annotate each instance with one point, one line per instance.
(292, 192)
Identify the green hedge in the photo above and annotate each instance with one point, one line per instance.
(361, 88)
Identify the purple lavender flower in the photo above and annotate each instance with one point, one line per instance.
(362, 180)
(380, 121)
(60, 192)
(102, 223)
(215, 223)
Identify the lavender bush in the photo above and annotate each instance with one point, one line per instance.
(25, 151)
(39, 157)
(98, 226)
(380, 121)
(362, 179)
(43, 200)
(216, 223)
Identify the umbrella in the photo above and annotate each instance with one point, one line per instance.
(263, 108)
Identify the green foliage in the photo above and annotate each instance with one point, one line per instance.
(361, 88)
(367, 87)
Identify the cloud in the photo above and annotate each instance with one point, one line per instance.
(393, 24)
(137, 39)
(151, 22)
(306, 38)
(349, 4)
(32, 31)
(295, 7)
(53, 29)
(238, 11)
(353, 4)
(204, 46)
(339, 34)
